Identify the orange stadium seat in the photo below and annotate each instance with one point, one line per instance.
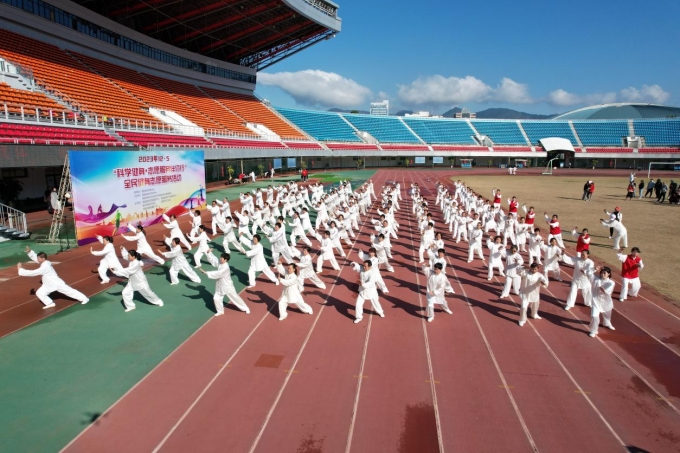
(30, 100)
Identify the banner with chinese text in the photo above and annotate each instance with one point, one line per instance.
(114, 189)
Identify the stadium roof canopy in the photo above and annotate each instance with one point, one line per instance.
(252, 33)
(623, 111)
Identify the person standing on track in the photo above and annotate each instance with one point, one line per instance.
(620, 233)
(50, 280)
(258, 263)
(437, 285)
(580, 280)
(292, 290)
(602, 287)
(367, 291)
(530, 291)
(203, 248)
(143, 246)
(136, 282)
(306, 267)
(476, 243)
(496, 252)
(109, 260)
(224, 286)
(583, 239)
(175, 231)
(514, 262)
(630, 272)
(555, 230)
(179, 263)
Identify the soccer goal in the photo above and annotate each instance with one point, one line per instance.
(674, 165)
(549, 168)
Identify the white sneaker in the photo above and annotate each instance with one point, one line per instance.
(250, 286)
(357, 321)
(277, 282)
(521, 323)
(218, 314)
(430, 319)
(129, 309)
(592, 334)
(85, 301)
(382, 315)
(610, 327)
(489, 279)
(104, 283)
(282, 318)
(621, 300)
(567, 307)
(49, 306)
(446, 310)
(197, 267)
(247, 312)
(386, 291)
(173, 284)
(536, 317)
(160, 304)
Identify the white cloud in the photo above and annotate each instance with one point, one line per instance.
(512, 92)
(438, 90)
(316, 88)
(648, 93)
(383, 96)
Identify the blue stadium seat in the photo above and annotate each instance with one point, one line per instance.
(437, 130)
(323, 126)
(601, 133)
(501, 132)
(386, 129)
(537, 130)
(658, 132)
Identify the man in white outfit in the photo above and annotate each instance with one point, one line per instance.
(620, 232)
(292, 290)
(306, 267)
(136, 282)
(326, 252)
(203, 248)
(224, 286)
(437, 284)
(476, 243)
(514, 262)
(50, 280)
(143, 247)
(530, 291)
(367, 291)
(109, 260)
(179, 263)
(496, 252)
(583, 265)
(258, 263)
(175, 231)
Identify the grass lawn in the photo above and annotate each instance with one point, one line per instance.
(652, 227)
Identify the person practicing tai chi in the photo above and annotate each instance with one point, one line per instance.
(326, 252)
(136, 282)
(227, 228)
(476, 243)
(292, 290)
(514, 262)
(496, 252)
(367, 291)
(602, 287)
(203, 248)
(175, 231)
(620, 232)
(553, 255)
(143, 247)
(179, 263)
(306, 268)
(50, 280)
(224, 286)
(258, 263)
(109, 260)
(630, 272)
(579, 280)
(555, 230)
(437, 285)
(530, 291)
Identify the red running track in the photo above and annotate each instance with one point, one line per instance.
(473, 381)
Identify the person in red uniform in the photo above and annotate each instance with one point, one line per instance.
(555, 231)
(512, 207)
(583, 239)
(591, 189)
(530, 215)
(497, 199)
(630, 271)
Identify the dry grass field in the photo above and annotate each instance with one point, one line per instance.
(654, 228)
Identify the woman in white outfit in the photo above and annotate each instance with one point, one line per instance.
(367, 291)
(179, 263)
(292, 290)
(227, 228)
(258, 263)
(601, 297)
(224, 286)
(514, 262)
(583, 265)
(109, 260)
(50, 280)
(620, 232)
(203, 248)
(437, 284)
(530, 291)
(553, 255)
(175, 231)
(496, 252)
(136, 282)
(143, 247)
(326, 252)
(298, 231)
(306, 267)
(476, 243)
(195, 222)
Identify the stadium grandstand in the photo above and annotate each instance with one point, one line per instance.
(72, 76)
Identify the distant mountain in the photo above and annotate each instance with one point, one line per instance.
(452, 113)
(337, 110)
(509, 114)
(403, 112)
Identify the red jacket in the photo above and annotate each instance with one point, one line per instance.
(583, 243)
(629, 268)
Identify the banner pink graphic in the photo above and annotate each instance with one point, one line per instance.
(119, 189)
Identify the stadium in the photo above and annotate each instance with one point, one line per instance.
(171, 78)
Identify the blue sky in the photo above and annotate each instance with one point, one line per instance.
(539, 57)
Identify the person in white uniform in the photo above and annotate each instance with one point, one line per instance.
(227, 228)
(437, 283)
(514, 262)
(496, 252)
(367, 291)
(224, 286)
(476, 243)
(306, 268)
(179, 263)
(136, 282)
(620, 232)
(258, 263)
(553, 255)
(175, 231)
(583, 265)
(50, 280)
(292, 290)
(530, 291)
(535, 244)
(203, 248)
(109, 260)
(279, 245)
(602, 287)
(143, 247)
(326, 252)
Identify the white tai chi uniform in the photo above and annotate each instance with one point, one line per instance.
(436, 289)
(298, 230)
(326, 253)
(306, 269)
(203, 249)
(143, 247)
(475, 245)
(280, 246)
(579, 280)
(230, 238)
(535, 243)
(175, 232)
(50, 283)
(630, 276)
(225, 287)
(292, 294)
(496, 252)
(258, 264)
(367, 291)
(137, 282)
(512, 277)
(553, 254)
(602, 302)
(620, 233)
(530, 293)
(109, 260)
(180, 263)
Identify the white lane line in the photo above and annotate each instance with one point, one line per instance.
(355, 408)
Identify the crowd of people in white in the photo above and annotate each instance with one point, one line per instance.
(338, 213)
